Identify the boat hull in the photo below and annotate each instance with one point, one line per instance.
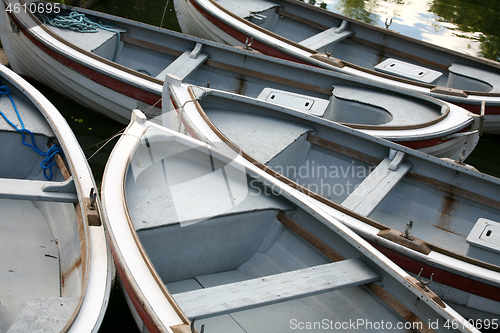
(114, 90)
(205, 19)
(474, 284)
(79, 275)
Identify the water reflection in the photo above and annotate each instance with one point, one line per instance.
(456, 24)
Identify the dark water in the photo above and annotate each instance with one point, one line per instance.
(465, 25)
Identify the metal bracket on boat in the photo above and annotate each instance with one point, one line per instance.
(408, 227)
(90, 209)
(193, 330)
(328, 54)
(248, 43)
(421, 282)
(93, 197)
(481, 118)
(387, 25)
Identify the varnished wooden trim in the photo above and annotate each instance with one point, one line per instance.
(399, 307)
(309, 237)
(330, 145)
(454, 190)
(270, 77)
(280, 11)
(409, 56)
(150, 46)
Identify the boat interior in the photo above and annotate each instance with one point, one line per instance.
(362, 175)
(42, 262)
(333, 97)
(323, 32)
(243, 251)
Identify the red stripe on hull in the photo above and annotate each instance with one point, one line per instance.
(441, 276)
(490, 109)
(138, 305)
(419, 144)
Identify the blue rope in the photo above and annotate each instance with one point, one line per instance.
(80, 23)
(48, 162)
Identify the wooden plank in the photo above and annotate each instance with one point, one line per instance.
(455, 190)
(399, 307)
(183, 65)
(325, 38)
(22, 189)
(379, 291)
(274, 288)
(60, 162)
(150, 46)
(374, 188)
(231, 68)
(269, 77)
(384, 50)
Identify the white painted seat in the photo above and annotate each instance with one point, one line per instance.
(185, 64)
(407, 70)
(38, 190)
(274, 288)
(328, 37)
(303, 103)
(370, 193)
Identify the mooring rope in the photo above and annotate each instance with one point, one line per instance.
(48, 162)
(80, 23)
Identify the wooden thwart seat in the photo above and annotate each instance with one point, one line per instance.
(38, 190)
(366, 197)
(274, 288)
(185, 64)
(327, 37)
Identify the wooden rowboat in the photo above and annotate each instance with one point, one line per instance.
(198, 235)
(296, 31)
(56, 265)
(378, 188)
(101, 71)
